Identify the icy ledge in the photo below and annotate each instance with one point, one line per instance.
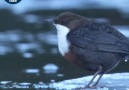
(117, 81)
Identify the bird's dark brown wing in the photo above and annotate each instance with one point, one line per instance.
(100, 37)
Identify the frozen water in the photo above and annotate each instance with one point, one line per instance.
(34, 71)
(23, 47)
(27, 55)
(118, 81)
(49, 38)
(24, 83)
(60, 75)
(50, 68)
(5, 82)
(4, 50)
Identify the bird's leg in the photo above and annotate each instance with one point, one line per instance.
(98, 72)
(88, 85)
(98, 80)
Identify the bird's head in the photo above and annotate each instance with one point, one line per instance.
(69, 20)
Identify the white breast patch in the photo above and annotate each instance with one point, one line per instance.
(63, 43)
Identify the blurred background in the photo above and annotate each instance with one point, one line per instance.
(28, 44)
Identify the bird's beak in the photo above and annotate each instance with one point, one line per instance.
(51, 21)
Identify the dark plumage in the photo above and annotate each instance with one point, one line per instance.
(95, 46)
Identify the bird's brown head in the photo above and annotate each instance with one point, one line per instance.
(70, 20)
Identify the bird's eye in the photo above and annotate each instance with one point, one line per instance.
(64, 22)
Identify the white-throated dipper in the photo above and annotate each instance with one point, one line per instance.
(90, 44)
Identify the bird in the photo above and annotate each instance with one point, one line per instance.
(90, 44)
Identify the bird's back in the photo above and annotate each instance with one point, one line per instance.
(98, 44)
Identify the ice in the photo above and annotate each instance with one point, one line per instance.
(5, 82)
(117, 81)
(52, 80)
(50, 68)
(60, 75)
(23, 47)
(24, 83)
(4, 50)
(49, 38)
(33, 71)
(27, 55)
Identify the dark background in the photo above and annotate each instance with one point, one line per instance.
(28, 44)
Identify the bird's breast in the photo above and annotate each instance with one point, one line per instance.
(63, 43)
(64, 46)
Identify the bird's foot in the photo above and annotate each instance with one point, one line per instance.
(86, 88)
(89, 87)
(94, 87)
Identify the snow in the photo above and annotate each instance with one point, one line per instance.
(50, 68)
(117, 81)
(34, 71)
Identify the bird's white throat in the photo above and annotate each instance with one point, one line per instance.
(63, 43)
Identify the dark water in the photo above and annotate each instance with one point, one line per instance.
(28, 46)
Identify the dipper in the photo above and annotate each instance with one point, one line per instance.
(91, 45)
